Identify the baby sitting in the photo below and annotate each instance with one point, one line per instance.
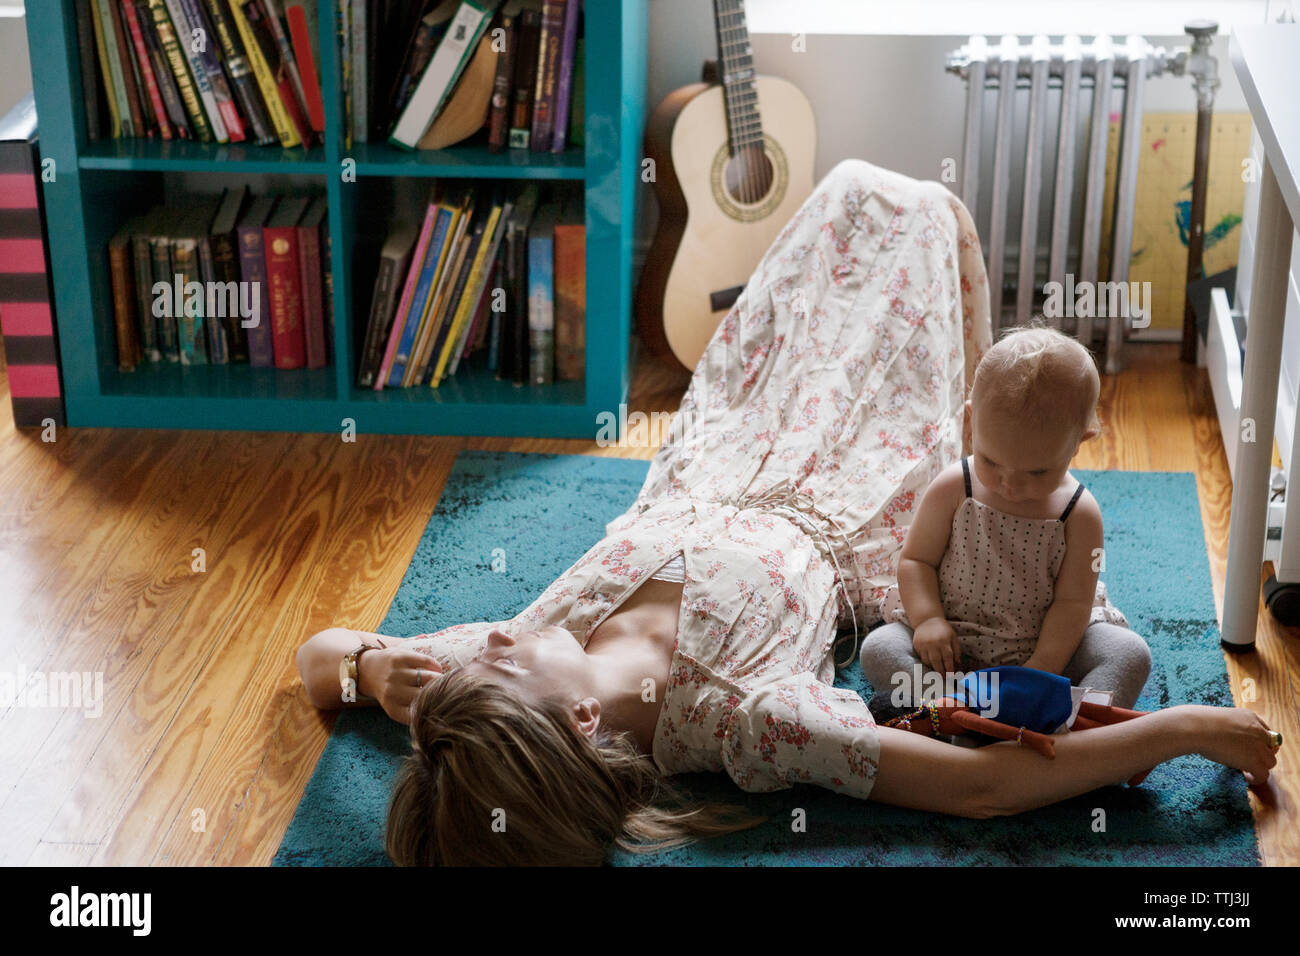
(1000, 562)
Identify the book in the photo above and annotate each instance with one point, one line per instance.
(162, 72)
(499, 112)
(313, 289)
(281, 122)
(190, 310)
(429, 266)
(394, 263)
(458, 44)
(145, 64)
(209, 63)
(452, 299)
(130, 72)
(252, 270)
(215, 304)
(547, 79)
(541, 295)
(512, 365)
(564, 89)
(105, 69)
(113, 78)
(444, 279)
(223, 245)
(571, 293)
(360, 79)
(478, 279)
(185, 34)
(278, 57)
(428, 33)
(142, 260)
(524, 83)
(408, 290)
(243, 83)
(284, 282)
(302, 28)
(343, 24)
(482, 321)
(121, 270)
(179, 65)
(162, 312)
(86, 61)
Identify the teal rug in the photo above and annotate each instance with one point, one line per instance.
(545, 511)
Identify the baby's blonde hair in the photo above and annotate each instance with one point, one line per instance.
(1041, 376)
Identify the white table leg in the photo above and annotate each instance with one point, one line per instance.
(1258, 409)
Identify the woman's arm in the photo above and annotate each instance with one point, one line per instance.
(1074, 591)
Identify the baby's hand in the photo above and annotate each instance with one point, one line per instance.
(936, 643)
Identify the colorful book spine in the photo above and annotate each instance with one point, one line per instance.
(360, 72)
(279, 53)
(458, 44)
(210, 64)
(525, 78)
(26, 301)
(266, 83)
(541, 298)
(420, 301)
(243, 82)
(309, 265)
(408, 293)
(284, 289)
(499, 112)
(139, 115)
(303, 51)
(129, 13)
(162, 72)
(394, 263)
(185, 32)
(425, 41)
(548, 75)
(252, 270)
(89, 77)
(483, 260)
(176, 59)
(570, 298)
(564, 91)
(437, 316)
(121, 271)
(450, 329)
(114, 78)
(105, 69)
(189, 315)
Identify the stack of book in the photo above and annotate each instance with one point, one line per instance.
(225, 279)
(223, 71)
(402, 60)
(498, 268)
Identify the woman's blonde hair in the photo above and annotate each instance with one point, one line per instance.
(1040, 375)
(495, 780)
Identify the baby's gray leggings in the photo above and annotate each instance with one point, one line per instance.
(1109, 657)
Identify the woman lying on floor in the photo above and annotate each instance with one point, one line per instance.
(699, 633)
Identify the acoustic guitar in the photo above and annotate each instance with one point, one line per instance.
(727, 181)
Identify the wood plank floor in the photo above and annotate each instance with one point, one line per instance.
(206, 739)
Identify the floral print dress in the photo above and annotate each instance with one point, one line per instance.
(828, 398)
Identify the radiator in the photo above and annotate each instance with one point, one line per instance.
(1104, 66)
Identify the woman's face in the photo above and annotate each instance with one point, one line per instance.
(536, 664)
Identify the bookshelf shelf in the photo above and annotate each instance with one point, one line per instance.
(470, 159)
(182, 156)
(94, 188)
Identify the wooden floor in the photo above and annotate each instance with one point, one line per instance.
(206, 739)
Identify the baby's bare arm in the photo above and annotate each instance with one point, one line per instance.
(925, 544)
(1076, 586)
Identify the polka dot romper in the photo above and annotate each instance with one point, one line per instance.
(997, 578)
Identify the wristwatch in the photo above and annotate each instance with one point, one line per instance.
(350, 673)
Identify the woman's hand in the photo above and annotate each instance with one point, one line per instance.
(936, 643)
(393, 676)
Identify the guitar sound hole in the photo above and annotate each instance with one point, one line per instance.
(749, 174)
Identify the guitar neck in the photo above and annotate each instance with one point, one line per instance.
(735, 56)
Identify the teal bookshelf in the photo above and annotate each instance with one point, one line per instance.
(96, 186)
